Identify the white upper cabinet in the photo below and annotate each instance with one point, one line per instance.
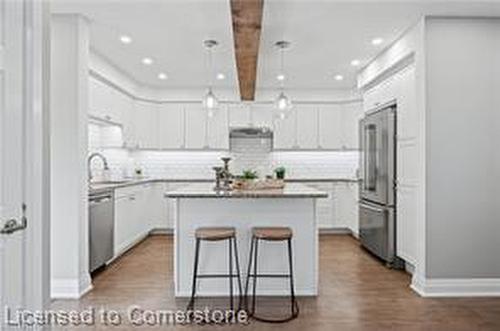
(171, 126)
(128, 126)
(307, 126)
(106, 102)
(330, 127)
(261, 116)
(196, 127)
(351, 114)
(150, 125)
(218, 129)
(239, 116)
(285, 131)
(146, 124)
(97, 98)
(379, 94)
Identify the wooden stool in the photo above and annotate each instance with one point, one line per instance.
(217, 234)
(270, 234)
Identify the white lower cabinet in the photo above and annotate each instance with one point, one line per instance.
(128, 229)
(139, 209)
(325, 212)
(134, 215)
(340, 210)
(346, 206)
(159, 207)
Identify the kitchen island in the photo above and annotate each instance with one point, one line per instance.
(199, 205)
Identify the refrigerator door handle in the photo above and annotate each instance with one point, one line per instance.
(373, 208)
(370, 157)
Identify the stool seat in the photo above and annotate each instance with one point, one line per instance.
(272, 233)
(215, 233)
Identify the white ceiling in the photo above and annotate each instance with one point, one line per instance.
(169, 31)
(325, 36)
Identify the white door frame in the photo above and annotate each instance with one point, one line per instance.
(37, 107)
(35, 66)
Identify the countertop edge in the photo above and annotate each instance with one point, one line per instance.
(135, 182)
(247, 195)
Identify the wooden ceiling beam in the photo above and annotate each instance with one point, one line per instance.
(247, 25)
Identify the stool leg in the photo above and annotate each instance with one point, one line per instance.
(231, 301)
(195, 275)
(294, 306)
(247, 281)
(255, 274)
(236, 256)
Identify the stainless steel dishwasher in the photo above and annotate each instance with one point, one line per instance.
(101, 229)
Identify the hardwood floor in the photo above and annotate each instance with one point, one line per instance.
(356, 293)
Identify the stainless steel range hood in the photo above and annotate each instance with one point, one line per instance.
(251, 133)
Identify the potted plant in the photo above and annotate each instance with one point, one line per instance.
(280, 172)
(249, 175)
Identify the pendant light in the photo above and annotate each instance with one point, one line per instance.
(210, 101)
(282, 103)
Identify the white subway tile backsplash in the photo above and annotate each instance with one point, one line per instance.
(246, 153)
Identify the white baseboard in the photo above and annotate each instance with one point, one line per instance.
(334, 231)
(163, 231)
(128, 246)
(444, 287)
(69, 288)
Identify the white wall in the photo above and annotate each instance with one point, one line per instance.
(68, 140)
(463, 132)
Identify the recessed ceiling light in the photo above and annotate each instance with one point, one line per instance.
(280, 77)
(125, 39)
(221, 76)
(162, 76)
(377, 41)
(147, 61)
(355, 63)
(338, 77)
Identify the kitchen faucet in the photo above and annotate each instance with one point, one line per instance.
(89, 161)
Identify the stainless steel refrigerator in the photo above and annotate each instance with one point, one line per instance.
(377, 206)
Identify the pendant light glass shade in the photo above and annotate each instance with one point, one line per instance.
(210, 101)
(282, 102)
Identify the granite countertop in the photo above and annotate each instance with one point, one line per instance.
(206, 190)
(96, 188)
